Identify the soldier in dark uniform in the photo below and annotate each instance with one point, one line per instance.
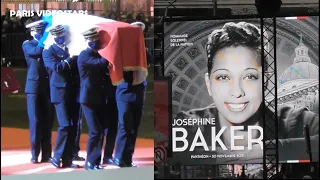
(92, 67)
(77, 118)
(61, 65)
(40, 110)
(130, 101)
(76, 112)
(111, 119)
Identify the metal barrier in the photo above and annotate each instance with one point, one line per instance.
(178, 171)
(149, 43)
(11, 49)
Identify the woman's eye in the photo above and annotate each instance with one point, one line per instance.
(251, 77)
(222, 78)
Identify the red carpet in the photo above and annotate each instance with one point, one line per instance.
(15, 154)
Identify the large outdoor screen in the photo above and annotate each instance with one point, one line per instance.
(217, 89)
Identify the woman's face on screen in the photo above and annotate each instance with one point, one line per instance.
(235, 83)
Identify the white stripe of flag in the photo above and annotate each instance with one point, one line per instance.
(292, 161)
(297, 18)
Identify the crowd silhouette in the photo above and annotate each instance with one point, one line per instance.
(16, 24)
(11, 25)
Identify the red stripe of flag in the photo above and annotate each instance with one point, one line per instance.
(302, 17)
(297, 18)
(304, 161)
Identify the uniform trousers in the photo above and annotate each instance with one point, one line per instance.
(77, 119)
(94, 115)
(66, 131)
(41, 115)
(110, 127)
(130, 114)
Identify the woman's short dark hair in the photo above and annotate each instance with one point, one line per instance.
(233, 35)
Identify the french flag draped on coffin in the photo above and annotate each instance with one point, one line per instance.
(75, 25)
(122, 44)
(124, 47)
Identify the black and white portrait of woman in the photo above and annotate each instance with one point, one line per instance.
(227, 57)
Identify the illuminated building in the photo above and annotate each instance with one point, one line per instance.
(299, 83)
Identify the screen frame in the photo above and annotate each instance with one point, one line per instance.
(199, 18)
(207, 18)
(185, 19)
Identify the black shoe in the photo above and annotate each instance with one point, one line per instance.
(131, 165)
(70, 165)
(34, 161)
(108, 161)
(88, 166)
(119, 163)
(45, 160)
(55, 162)
(78, 158)
(98, 167)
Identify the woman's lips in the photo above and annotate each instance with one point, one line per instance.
(236, 107)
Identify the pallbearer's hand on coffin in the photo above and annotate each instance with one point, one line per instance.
(72, 61)
(69, 61)
(73, 58)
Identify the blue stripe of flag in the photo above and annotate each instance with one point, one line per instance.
(48, 19)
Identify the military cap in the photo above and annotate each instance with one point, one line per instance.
(91, 34)
(37, 25)
(139, 24)
(56, 30)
